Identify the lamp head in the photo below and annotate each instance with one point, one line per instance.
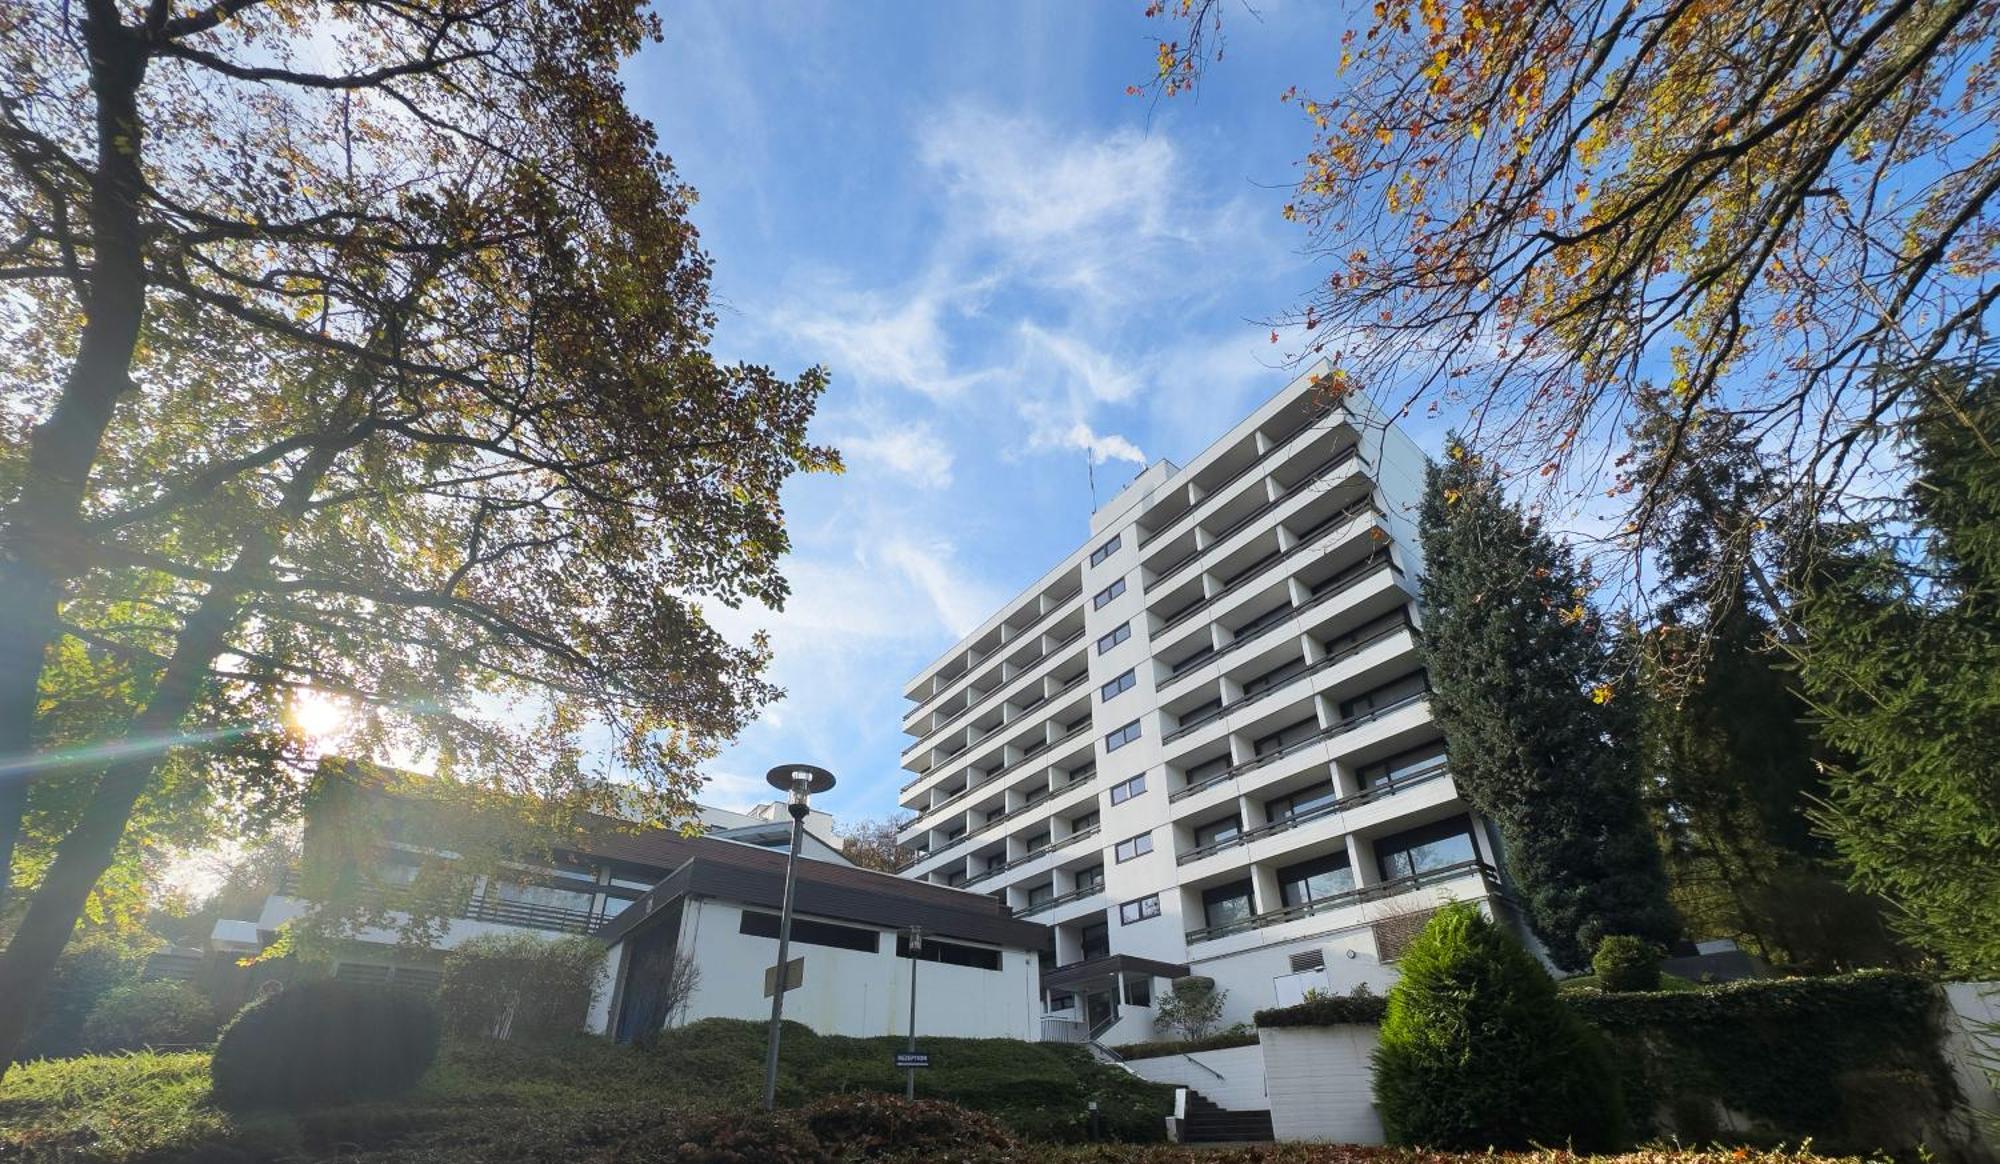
(799, 782)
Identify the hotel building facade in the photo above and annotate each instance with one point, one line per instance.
(1202, 743)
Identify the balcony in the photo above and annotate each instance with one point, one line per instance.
(1061, 899)
(1044, 851)
(1368, 567)
(1374, 792)
(1055, 608)
(1366, 893)
(521, 914)
(1214, 491)
(962, 712)
(1319, 473)
(1326, 531)
(1340, 656)
(1276, 754)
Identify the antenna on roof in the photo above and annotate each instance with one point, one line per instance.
(1090, 470)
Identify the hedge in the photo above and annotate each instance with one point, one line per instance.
(1851, 1062)
(1160, 1048)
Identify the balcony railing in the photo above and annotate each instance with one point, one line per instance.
(1376, 561)
(525, 915)
(1391, 888)
(1216, 489)
(1056, 608)
(1034, 854)
(1325, 531)
(1023, 762)
(1226, 532)
(1279, 753)
(1087, 891)
(1373, 792)
(1345, 653)
(962, 712)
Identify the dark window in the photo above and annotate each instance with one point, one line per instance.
(1038, 841)
(1125, 790)
(1096, 939)
(1217, 832)
(1079, 824)
(1199, 714)
(1208, 768)
(1104, 596)
(1274, 615)
(1424, 848)
(1308, 961)
(1117, 686)
(1061, 1001)
(1084, 773)
(1400, 617)
(1104, 551)
(1227, 904)
(812, 933)
(1347, 576)
(1403, 765)
(1250, 569)
(1194, 659)
(1137, 846)
(1315, 880)
(1391, 693)
(1286, 736)
(1090, 878)
(955, 878)
(1113, 637)
(1140, 910)
(1300, 803)
(1138, 992)
(996, 861)
(955, 833)
(1273, 678)
(949, 953)
(1041, 893)
(1122, 736)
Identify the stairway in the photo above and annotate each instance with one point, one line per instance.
(1209, 1124)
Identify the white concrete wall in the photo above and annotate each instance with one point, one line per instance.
(598, 1021)
(848, 992)
(1240, 1088)
(1972, 1046)
(1322, 1083)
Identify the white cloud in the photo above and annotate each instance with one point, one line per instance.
(1100, 376)
(914, 451)
(960, 602)
(1102, 447)
(876, 340)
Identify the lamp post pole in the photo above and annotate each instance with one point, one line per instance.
(916, 948)
(801, 781)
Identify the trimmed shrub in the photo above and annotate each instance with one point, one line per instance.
(1625, 964)
(875, 1126)
(324, 1042)
(1161, 1048)
(1190, 1007)
(518, 986)
(149, 1014)
(1478, 1051)
(1327, 1011)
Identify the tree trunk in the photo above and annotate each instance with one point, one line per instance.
(92, 844)
(41, 535)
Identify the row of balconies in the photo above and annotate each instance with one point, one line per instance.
(1241, 516)
(1208, 485)
(1050, 605)
(997, 716)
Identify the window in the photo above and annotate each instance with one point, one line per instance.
(1104, 596)
(549, 896)
(996, 862)
(1137, 846)
(1315, 880)
(949, 953)
(1113, 637)
(1273, 678)
(1218, 832)
(1300, 804)
(1367, 632)
(1122, 736)
(1104, 551)
(1139, 992)
(1041, 893)
(1208, 769)
(1227, 905)
(1061, 1001)
(1084, 823)
(955, 833)
(1286, 736)
(1079, 775)
(1118, 686)
(1417, 761)
(812, 933)
(1387, 695)
(1195, 659)
(1038, 841)
(955, 878)
(1427, 847)
(1274, 615)
(1194, 717)
(1140, 910)
(1125, 790)
(1089, 879)
(1096, 939)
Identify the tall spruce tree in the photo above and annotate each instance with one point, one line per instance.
(1523, 675)
(1728, 765)
(1902, 663)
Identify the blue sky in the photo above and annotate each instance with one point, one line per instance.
(1007, 264)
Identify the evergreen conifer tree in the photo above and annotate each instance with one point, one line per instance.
(1523, 676)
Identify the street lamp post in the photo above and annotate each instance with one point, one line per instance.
(800, 781)
(916, 948)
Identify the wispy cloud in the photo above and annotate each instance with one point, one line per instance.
(914, 451)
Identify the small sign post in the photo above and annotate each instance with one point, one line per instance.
(795, 976)
(912, 1060)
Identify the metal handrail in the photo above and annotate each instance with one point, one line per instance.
(1367, 795)
(1215, 490)
(1062, 899)
(1276, 754)
(1044, 851)
(1060, 604)
(1341, 656)
(1326, 531)
(1226, 532)
(472, 907)
(1376, 560)
(1390, 888)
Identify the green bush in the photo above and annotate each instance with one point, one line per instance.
(1625, 964)
(88, 968)
(1160, 1048)
(1478, 1051)
(149, 1014)
(1326, 1011)
(324, 1042)
(875, 1126)
(519, 986)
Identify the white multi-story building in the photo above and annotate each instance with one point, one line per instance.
(1202, 743)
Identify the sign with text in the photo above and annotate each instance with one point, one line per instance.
(795, 976)
(911, 1060)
